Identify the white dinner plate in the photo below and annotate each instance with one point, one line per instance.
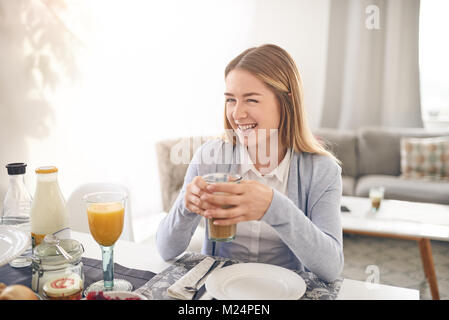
(255, 281)
(13, 242)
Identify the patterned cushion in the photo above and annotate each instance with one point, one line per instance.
(425, 158)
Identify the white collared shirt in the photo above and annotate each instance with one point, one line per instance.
(276, 179)
(257, 240)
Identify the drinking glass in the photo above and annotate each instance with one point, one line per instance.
(221, 233)
(105, 213)
(376, 194)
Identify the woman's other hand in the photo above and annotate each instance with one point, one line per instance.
(194, 191)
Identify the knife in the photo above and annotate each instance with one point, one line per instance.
(202, 290)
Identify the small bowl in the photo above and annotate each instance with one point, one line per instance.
(122, 295)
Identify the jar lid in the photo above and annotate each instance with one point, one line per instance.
(48, 169)
(47, 253)
(63, 285)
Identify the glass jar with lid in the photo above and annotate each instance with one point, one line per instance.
(49, 263)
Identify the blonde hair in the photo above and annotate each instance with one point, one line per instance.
(277, 69)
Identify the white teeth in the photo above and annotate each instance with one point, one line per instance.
(248, 126)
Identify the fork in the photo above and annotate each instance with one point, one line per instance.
(195, 288)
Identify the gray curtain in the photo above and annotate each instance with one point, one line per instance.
(372, 73)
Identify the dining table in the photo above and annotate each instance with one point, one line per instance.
(144, 256)
(141, 264)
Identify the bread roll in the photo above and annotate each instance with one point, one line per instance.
(17, 292)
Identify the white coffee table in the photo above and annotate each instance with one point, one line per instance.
(417, 221)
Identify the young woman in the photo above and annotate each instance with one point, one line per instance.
(288, 205)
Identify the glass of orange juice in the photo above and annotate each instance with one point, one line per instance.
(106, 215)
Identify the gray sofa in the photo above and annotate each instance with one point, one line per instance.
(370, 156)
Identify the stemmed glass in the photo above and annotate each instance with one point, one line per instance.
(105, 213)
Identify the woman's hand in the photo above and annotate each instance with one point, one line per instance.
(194, 191)
(248, 200)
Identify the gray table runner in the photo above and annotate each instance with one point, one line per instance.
(92, 270)
(156, 288)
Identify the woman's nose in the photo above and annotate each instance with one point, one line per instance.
(239, 111)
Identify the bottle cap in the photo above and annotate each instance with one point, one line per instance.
(16, 168)
(48, 169)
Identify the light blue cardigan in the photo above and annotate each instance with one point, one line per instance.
(307, 221)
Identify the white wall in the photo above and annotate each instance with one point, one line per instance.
(301, 27)
(94, 99)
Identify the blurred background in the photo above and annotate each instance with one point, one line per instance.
(91, 86)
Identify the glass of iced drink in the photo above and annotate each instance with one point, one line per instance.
(215, 232)
(376, 194)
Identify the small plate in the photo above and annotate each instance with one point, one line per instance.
(13, 242)
(255, 281)
(122, 295)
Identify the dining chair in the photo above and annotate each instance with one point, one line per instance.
(77, 209)
(171, 175)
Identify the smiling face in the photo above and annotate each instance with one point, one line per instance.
(250, 106)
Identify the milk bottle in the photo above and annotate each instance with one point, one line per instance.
(48, 211)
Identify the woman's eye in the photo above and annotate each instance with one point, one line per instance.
(232, 100)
